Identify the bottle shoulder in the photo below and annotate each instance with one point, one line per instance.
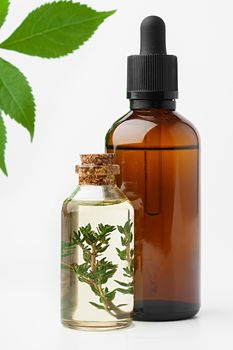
(95, 196)
(152, 128)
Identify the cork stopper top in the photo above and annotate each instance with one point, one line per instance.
(97, 169)
(97, 159)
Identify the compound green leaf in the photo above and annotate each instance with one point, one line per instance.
(16, 98)
(4, 7)
(3, 140)
(55, 29)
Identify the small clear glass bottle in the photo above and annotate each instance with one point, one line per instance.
(97, 257)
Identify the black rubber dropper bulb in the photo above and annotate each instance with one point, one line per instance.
(153, 36)
(152, 75)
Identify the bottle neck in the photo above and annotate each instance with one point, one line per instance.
(97, 193)
(148, 104)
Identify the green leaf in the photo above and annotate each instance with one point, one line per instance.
(122, 241)
(97, 305)
(125, 291)
(111, 295)
(4, 7)
(86, 256)
(64, 267)
(63, 255)
(67, 249)
(101, 250)
(105, 270)
(16, 98)
(128, 226)
(126, 275)
(3, 140)
(55, 29)
(94, 289)
(126, 269)
(123, 284)
(121, 254)
(120, 229)
(105, 229)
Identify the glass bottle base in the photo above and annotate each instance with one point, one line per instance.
(163, 310)
(96, 325)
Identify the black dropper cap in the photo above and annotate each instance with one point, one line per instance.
(152, 75)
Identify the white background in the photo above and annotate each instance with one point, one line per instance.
(78, 98)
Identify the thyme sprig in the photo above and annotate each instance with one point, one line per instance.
(127, 255)
(96, 269)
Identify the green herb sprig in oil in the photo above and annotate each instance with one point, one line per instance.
(96, 269)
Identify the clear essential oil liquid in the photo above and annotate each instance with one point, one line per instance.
(97, 276)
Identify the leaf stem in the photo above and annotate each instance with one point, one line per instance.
(93, 258)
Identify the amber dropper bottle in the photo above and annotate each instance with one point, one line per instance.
(158, 152)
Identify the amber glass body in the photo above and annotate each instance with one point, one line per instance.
(158, 152)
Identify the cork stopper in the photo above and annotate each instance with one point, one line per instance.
(97, 159)
(97, 169)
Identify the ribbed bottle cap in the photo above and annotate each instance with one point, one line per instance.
(152, 75)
